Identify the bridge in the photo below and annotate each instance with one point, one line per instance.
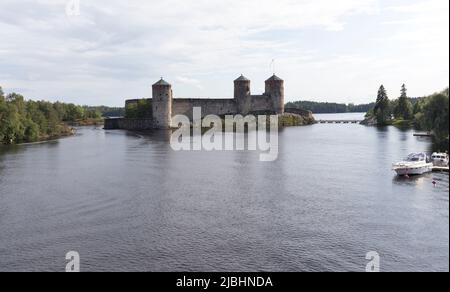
(427, 134)
(339, 121)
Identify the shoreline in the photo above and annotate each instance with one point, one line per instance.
(49, 139)
(43, 141)
(72, 128)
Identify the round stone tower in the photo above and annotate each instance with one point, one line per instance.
(162, 104)
(242, 95)
(275, 89)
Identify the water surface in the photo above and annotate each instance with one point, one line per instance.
(127, 202)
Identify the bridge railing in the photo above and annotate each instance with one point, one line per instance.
(339, 121)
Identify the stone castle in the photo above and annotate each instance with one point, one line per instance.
(163, 106)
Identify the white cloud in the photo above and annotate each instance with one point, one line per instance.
(190, 81)
(117, 49)
(427, 21)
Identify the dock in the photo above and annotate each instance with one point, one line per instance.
(440, 168)
(423, 134)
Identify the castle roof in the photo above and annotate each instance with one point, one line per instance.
(274, 78)
(162, 82)
(242, 78)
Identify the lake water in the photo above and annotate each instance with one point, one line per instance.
(127, 202)
(347, 116)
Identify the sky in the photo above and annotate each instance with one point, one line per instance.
(325, 50)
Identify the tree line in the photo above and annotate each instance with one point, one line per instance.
(386, 111)
(329, 108)
(24, 121)
(429, 113)
(106, 111)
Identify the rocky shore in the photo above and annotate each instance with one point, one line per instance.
(296, 117)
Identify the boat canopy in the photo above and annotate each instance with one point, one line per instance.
(417, 157)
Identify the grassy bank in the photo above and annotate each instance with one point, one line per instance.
(400, 123)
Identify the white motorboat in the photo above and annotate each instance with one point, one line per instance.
(440, 159)
(415, 164)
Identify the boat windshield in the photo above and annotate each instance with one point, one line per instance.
(440, 156)
(416, 157)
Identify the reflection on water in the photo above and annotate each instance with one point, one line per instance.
(436, 180)
(128, 202)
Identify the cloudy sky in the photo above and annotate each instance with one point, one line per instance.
(324, 49)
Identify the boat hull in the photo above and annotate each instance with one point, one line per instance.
(440, 162)
(403, 171)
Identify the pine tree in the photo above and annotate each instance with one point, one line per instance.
(404, 108)
(404, 91)
(382, 107)
(380, 96)
(2, 94)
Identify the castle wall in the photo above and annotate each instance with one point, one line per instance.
(159, 111)
(218, 107)
(260, 104)
(184, 106)
(128, 124)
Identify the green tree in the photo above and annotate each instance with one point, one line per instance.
(92, 113)
(144, 108)
(131, 110)
(16, 116)
(436, 114)
(52, 118)
(60, 109)
(73, 113)
(2, 94)
(139, 109)
(32, 131)
(37, 116)
(417, 107)
(11, 127)
(3, 108)
(403, 109)
(28, 121)
(382, 107)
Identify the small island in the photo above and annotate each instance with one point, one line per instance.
(429, 114)
(158, 112)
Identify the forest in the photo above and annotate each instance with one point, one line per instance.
(429, 113)
(23, 121)
(330, 108)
